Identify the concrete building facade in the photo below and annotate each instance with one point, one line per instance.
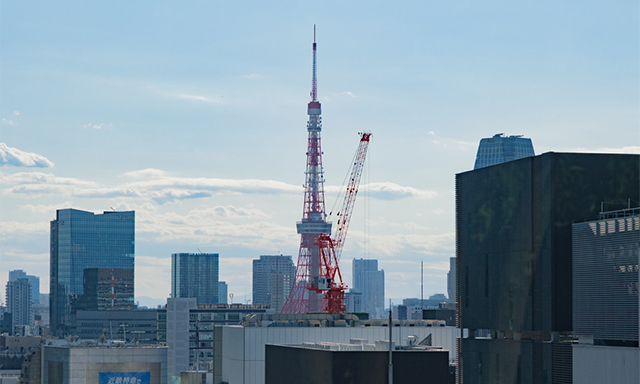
(104, 365)
(187, 330)
(242, 347)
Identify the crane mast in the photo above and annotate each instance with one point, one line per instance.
(344, 214)
(330, 249)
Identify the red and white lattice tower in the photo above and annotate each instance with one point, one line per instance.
(301, 299)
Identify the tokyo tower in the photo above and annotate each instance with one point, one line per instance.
(313, 224)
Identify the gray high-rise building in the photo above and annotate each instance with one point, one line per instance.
(273, 276)
(195, 275)
(451, 280)
(500, 149)
(82, 240)
(368, 280)
(223, 292)
(33, 280)
(18, 296)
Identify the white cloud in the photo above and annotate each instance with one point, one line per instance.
(149, 271)
(207, 227)
(454, 144)
(145, 173)
(156, 185)
(45, 209)
(15, 157)
(16, 113)
(229, 212)
(393, 191)
(206, 99)
(7, 121)
(420, 243)
(349, 94)
(94, 126)
(634, 150)
(253, 76)
(15, 228)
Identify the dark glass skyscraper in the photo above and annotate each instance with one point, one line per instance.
(514, 244)
(81, 240)
(500, 149)
(195, 275)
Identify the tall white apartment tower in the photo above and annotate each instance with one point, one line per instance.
(273, 276)
(18, 296)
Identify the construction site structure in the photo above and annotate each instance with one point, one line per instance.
(318, 284)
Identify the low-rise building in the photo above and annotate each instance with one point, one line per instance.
(239, 355)
(101, 364)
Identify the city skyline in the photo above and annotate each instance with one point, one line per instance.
(194, 116)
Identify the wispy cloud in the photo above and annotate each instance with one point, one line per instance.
(634, 150)
(387, 191)
(420, 243)
(145, 173)
(97, 126)
(205, 99)
(189, 95)
(253, 76)
(16, 113)
(241, 227)
(392, 191)
(8, 122)
(45, 209)
(15, 228)
(158, 186)
(17, 158)
(454, 144)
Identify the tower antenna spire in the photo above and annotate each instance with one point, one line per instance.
(314, 81)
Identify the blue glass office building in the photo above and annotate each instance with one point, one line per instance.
(81, 240)
(500, 149)
(195, 275)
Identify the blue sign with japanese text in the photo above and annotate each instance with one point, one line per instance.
(124, 378)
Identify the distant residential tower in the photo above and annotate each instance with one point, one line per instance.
(272, 280)
(33, 280)
(368, 280)
(18, 296)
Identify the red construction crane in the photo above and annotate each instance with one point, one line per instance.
(330, 281)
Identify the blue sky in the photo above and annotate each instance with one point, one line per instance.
(194, 115)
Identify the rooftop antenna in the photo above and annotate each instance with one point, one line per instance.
(314, 81)
(199, 250)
